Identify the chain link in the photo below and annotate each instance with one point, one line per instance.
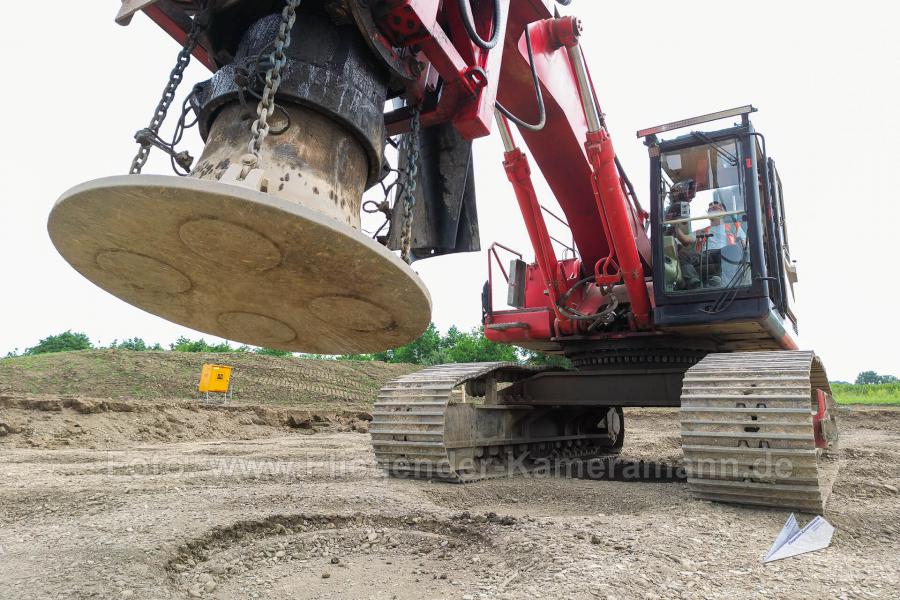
(144, 136)
(408, 191)
(266, 106)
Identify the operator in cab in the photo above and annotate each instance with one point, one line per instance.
(718, 234)
(700, 252)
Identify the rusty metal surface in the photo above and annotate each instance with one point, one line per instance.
(239, 264)
(445, 217)
(401, 63)
(329, 69)
(309, 159)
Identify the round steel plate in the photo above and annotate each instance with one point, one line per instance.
(239, 264)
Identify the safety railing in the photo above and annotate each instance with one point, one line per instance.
(492, 253)
(566, 247)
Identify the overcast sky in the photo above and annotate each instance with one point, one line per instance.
(824, 76)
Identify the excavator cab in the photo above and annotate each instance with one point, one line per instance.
(717, 227)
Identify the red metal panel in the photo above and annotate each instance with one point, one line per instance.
(470, 75)
(822, 400)
(529, 325)
(178, 34)
(534, 288)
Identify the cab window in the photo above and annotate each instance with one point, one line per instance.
(704, 222)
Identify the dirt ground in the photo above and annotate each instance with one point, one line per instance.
(174, 500)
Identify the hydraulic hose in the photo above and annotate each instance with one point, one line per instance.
(465, 9)
(542, 108)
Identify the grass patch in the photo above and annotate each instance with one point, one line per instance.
(876, 393)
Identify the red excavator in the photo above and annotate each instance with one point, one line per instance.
(685, 303)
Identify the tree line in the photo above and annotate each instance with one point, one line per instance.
(873, 378)
(431, 348)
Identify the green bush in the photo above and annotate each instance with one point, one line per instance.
(273, 352)
(356, 357)
(184, 344)
(62, 342)
(475, 347)
(136, 344)
(432, 348)
(422, 351)
(539, 359)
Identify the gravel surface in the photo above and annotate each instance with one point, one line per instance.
(108, 512)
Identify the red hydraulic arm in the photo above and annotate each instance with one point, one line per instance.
(612, 204)
(576, 156)
(573, 149)
(519, 173)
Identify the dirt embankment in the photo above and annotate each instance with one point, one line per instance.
(80, 422)
(110, 398)
(258, 379)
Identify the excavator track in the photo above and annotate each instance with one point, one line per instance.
(449, 423)
(749, 430)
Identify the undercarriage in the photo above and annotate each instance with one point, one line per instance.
(461, 423)
(757, 428)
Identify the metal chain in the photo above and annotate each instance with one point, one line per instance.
(144, 136)
(266, 106)
(408, 191)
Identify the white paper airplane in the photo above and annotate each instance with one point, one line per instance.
(792, 540)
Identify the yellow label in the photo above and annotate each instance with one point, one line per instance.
(214, 378)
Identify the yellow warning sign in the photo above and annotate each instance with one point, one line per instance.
(214, 378)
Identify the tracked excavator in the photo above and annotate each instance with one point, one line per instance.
(686, 303)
